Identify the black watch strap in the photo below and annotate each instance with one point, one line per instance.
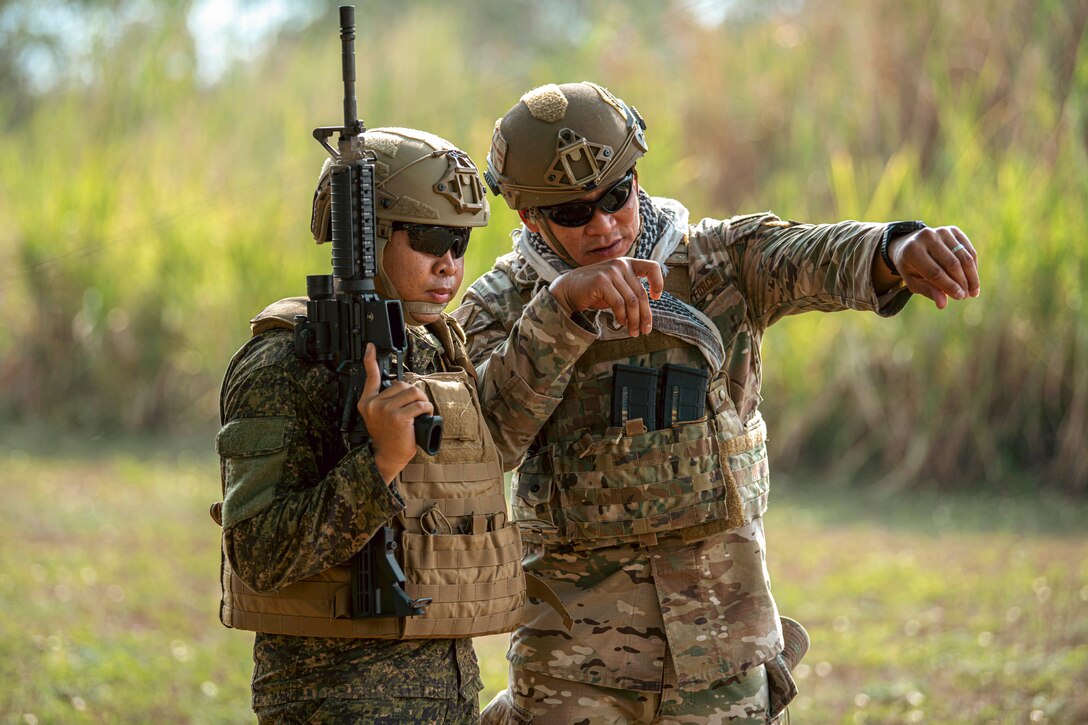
(895, 229)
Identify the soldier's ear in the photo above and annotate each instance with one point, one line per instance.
(527, 218)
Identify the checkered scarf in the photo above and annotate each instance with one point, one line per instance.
(664, 224)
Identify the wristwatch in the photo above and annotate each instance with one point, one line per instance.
(895, 229)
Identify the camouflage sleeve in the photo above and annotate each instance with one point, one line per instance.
(295, 502)
(785, 267)
(523, 357)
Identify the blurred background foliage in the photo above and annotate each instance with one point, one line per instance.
(156, 171)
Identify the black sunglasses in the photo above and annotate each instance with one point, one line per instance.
(434, 239)
(579, 213)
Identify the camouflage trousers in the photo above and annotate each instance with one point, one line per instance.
(376, 710)
(534, 697)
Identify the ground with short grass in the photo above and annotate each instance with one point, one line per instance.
(922, 608)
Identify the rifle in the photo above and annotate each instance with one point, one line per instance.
(343, 313)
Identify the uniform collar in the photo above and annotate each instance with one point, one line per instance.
(423, 350)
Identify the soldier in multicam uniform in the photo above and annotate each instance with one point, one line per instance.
(298, 504)
(651, 531)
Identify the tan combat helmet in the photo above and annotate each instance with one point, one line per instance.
(421, 178)
(560, 142)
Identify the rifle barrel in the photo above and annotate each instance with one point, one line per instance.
(352, 124)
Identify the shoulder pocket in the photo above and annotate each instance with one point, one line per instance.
(253, 452)
(251, 437)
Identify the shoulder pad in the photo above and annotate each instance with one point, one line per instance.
(455, 328)
(453, 340)
(278, 315)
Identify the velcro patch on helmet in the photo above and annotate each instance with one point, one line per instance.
(546, 103)
(435, 142)
(409, 207)
(383, 144)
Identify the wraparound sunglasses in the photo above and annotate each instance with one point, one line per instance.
(435, 239)
(579, 213)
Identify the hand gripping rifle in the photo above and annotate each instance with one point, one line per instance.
(344, 312)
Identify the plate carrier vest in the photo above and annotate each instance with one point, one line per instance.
(593, 489)
(455, 544)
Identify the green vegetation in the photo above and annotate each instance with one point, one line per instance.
(923, 608)
(148, 215)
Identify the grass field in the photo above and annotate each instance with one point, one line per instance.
(922, 608)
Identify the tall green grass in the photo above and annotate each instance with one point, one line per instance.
(147, 217)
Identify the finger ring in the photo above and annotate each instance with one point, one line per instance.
(957, 248)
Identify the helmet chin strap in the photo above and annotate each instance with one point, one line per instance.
(546, 232)
(410, 309)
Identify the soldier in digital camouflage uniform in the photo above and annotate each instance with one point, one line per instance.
(297, 502)
(652, 539)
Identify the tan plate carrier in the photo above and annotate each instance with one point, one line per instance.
(455, 543)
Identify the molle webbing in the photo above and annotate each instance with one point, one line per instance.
(307, 608)
(416, 508)
(457, 546)
(455, 543)
(686, 481)
(634, 485)
(628, 347)
(321, 607)
(428, 471)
